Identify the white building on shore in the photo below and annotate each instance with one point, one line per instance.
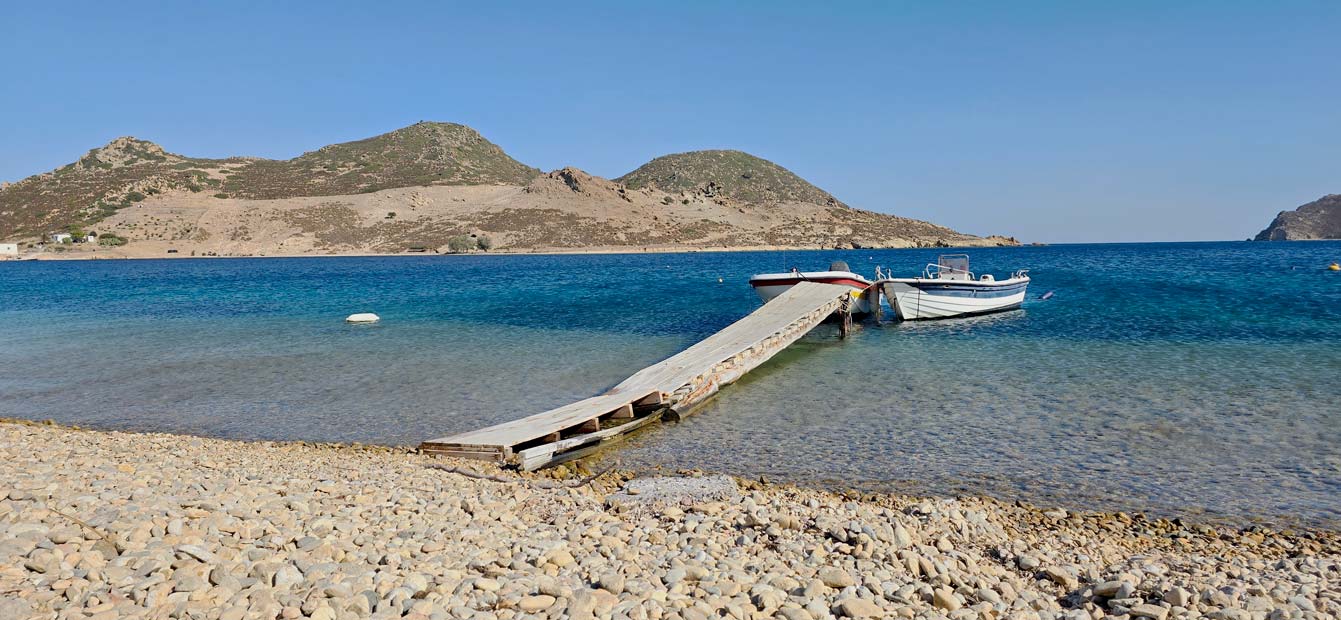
(9, 249)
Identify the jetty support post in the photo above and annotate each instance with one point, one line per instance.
(873, 293)
(845, 321)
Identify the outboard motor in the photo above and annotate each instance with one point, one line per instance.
(838, 265)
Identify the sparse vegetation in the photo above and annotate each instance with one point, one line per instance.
(484, 243)
(390, 215)
(135, 197)
(111, 240)
(459, 244)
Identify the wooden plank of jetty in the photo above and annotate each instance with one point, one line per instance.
(674, 385)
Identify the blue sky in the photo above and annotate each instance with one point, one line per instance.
(1054, 122)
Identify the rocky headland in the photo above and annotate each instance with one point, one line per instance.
(1320, 219)
(110, 525)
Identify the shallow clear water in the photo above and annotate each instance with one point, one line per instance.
(1199, 379)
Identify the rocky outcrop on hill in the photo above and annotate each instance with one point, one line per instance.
(1320, 219)
(572, 181)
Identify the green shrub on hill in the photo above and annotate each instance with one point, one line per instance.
(459, 244)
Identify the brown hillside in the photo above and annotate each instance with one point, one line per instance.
(421, 186)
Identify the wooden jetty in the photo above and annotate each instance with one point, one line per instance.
(671, 387)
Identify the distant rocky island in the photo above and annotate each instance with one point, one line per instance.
(431, 187)
(1320, 219)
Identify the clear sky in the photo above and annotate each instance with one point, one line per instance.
(1054, 122)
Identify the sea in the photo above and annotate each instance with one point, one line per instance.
(1198, 380)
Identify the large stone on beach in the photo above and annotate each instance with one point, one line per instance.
(901, 536)
(836, 578)
(1178, 597)
(1062, 577)
(611, 582)
(946, 599)
(1154, 612)
(560, 557)
(417, 583)
(197, 552)
(14, 608)
(859, 608)
(532, 604)
(1108, 589)
(287, 576)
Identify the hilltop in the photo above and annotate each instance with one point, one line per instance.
(422, 154)
(420, 187)
(1320, 219)
(733, 174)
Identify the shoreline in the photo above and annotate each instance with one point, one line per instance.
(113, 524)
(608, 457)
(598, 251)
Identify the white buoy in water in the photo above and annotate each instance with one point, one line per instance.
(363, 317)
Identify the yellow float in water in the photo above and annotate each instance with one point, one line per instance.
(1334, 267)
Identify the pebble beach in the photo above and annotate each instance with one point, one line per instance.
(110, 525)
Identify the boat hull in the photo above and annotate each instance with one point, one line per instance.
(915, 299)
(768, 286)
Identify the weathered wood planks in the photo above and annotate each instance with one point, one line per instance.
(679, 383)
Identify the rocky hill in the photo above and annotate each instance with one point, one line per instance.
(733, 174)
(420, 187)
(1320, 219)
(123, 172)
(422, 154)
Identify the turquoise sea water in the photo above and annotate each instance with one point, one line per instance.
(1197, 379)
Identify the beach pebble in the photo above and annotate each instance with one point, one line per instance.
(946, 599)
(302, 530)
(533, 604)
(1178, 597)
(836, 578)
(858, 608)
(1154, 612)
(1108, 589)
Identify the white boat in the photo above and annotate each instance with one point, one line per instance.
(770, 285)
(948, 289)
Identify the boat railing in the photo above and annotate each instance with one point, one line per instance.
(936, 271)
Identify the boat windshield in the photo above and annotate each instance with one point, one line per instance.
(951, 267)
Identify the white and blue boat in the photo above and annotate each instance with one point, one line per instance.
(948, 289)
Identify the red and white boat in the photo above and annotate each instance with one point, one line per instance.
(770, 285)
